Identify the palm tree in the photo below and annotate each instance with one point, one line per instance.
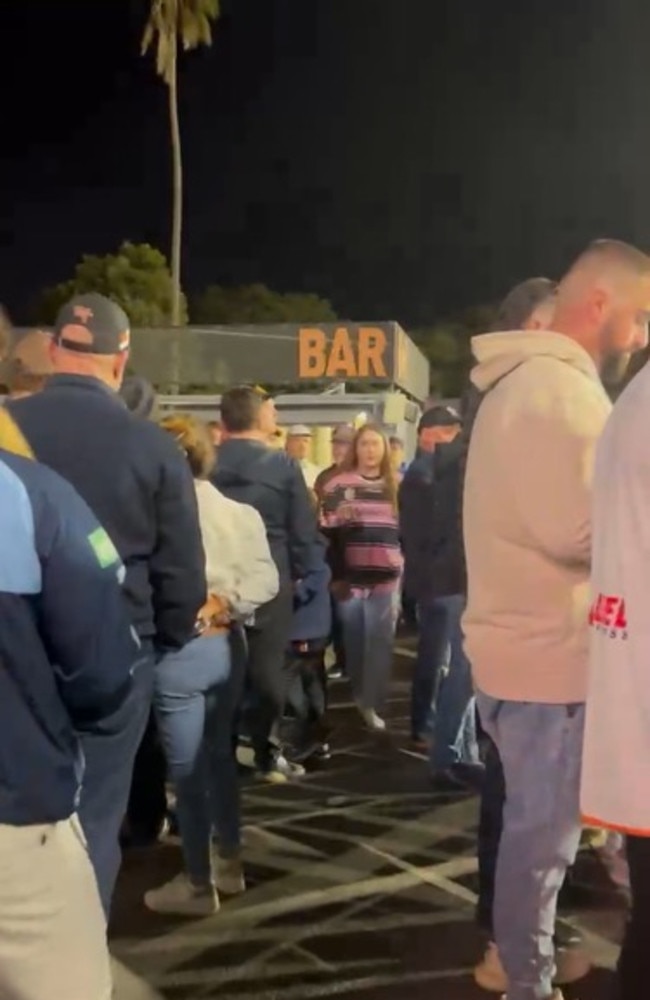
(171, 23)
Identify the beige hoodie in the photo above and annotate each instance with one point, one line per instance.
(526, 515)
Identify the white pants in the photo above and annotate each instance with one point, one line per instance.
(52, 927)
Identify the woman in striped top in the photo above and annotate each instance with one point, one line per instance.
(359, 514)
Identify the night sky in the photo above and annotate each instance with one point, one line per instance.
(402, 157)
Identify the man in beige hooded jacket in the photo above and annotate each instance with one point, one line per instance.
(528, 541)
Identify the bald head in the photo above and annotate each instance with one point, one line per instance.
(603, 302)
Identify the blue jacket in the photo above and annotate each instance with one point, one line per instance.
(66, 644)
(312, 606)
(137, 484)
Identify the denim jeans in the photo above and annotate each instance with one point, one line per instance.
(442, 698)
(454, 707)
(540, 747)
(432, 658)
(368, 633)
(197, 694)
(109, 753)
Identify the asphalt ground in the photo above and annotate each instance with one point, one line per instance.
(362, 884)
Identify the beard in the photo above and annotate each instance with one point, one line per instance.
(614, 369)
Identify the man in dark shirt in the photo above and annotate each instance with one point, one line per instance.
(250, 472)
(140, 489)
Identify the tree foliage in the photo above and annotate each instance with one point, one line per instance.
(137, 277)
(258, 304)
(171, 21)
(447, 345)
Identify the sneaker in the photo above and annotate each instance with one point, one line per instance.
(460, 777)
(372, 720)
(182, 897)
(281, 770)
(572, 964)
(323, 751)
(229, 875)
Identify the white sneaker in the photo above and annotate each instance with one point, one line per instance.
(180, 896)
(281, 770)
(372, 720)
(229, 875)
(572, 964)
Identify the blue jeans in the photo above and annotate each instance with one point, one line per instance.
(432, 657)
(196, 697)
(368, 633)
(540, 747)
(442, 697)
(109, 753)
(454, 708)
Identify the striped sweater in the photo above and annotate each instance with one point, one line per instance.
(360, 518)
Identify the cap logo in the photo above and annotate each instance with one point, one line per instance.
(82, 313)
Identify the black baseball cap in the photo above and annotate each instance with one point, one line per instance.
(439, 416)
(92, 324)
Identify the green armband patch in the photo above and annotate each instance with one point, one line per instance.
(103, 548)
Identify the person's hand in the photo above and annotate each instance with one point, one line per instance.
(347, 512)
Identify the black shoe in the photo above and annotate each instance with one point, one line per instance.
(459, 778)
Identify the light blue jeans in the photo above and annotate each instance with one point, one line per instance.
(541, 749)
(368, 625)
(197, 692)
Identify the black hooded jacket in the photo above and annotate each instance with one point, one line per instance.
(430, 509)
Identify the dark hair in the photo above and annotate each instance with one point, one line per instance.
(240, 408)
(520, 303)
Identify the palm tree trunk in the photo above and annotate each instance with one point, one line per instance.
(177, 214)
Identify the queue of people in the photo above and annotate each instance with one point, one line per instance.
(171, 590)
(205, 588)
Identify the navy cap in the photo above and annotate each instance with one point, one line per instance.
(92, 324)
(439, 416)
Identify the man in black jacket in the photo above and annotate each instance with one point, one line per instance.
(139, 487)
(430, 522)
(250, 472)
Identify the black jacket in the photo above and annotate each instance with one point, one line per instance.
(139, 487)
(430, 506)
(272, 483)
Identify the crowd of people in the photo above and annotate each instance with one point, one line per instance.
(171, 589)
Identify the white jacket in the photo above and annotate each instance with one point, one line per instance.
(616, 760)
(238, 561)
(527, 515)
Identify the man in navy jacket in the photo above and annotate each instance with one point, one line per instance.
(66, 654)
(138, 485)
